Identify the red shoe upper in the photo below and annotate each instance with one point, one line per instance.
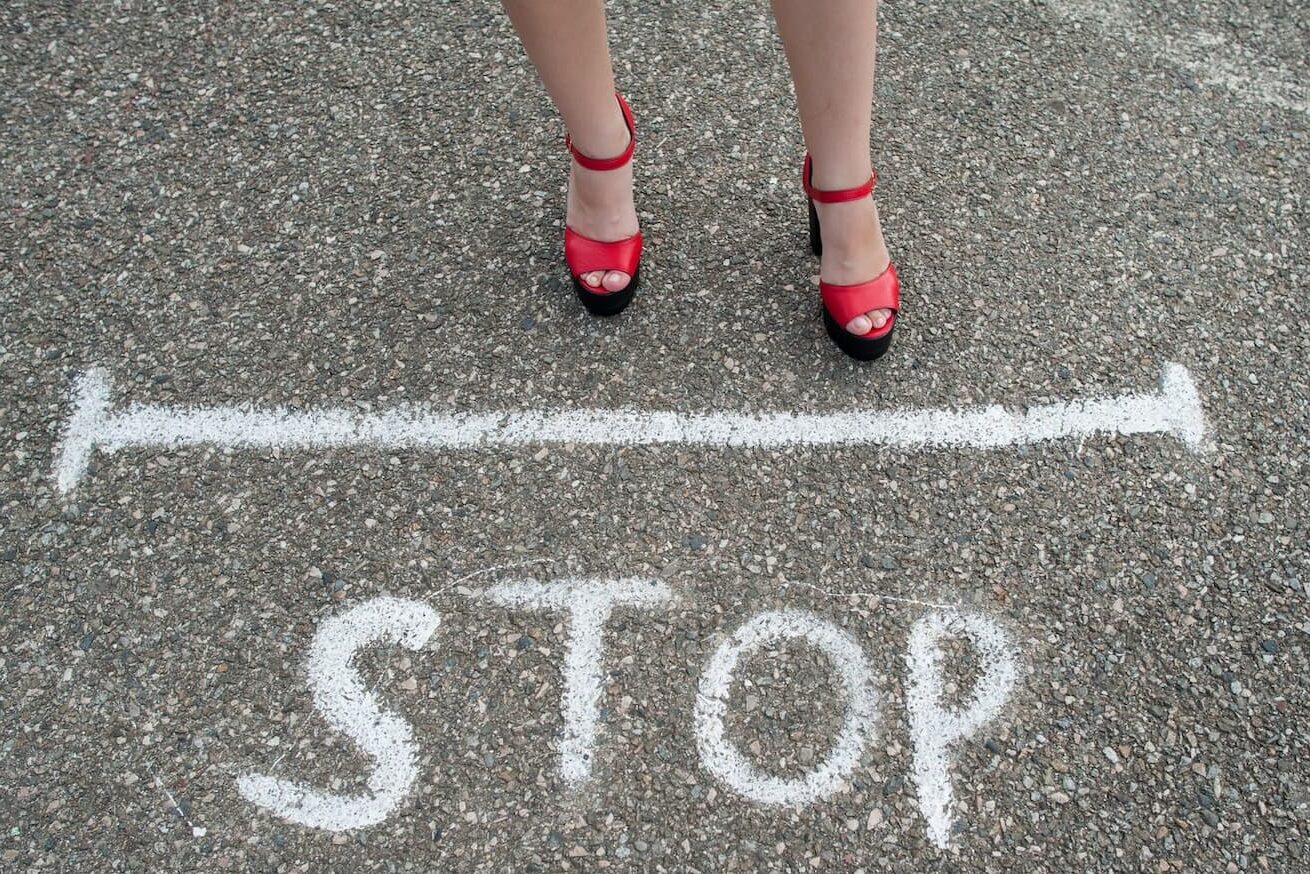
(845, 302)
(584, 254)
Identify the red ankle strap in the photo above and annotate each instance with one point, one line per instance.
(609, 163)
(838, 196)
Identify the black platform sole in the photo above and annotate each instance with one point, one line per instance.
(856, 347)
(611, 303)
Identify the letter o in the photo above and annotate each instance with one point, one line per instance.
(726, 763)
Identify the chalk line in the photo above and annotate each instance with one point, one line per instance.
(1174, 409)
(1207, 56)
(197, 831)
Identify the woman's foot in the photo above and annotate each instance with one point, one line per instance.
(854, 251)
(600, 204)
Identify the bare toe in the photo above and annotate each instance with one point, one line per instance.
(593, 278)
(859, 325)
(879, 317)
(616, 280)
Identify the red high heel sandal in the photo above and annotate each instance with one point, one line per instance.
(584, 254)
(841, 303)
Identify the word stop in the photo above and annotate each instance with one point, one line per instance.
(340, 696)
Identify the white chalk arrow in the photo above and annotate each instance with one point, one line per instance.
(1175, 409)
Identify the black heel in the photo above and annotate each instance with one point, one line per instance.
(816, 239)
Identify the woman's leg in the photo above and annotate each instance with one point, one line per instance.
(567, 43)
(830, 47)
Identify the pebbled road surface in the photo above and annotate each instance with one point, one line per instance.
(358, 205)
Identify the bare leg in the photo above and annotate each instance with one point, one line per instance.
(567, 43)
(830, 47)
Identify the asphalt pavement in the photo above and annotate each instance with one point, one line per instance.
(358, 207)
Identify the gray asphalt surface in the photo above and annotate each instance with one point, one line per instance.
(346, 204)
